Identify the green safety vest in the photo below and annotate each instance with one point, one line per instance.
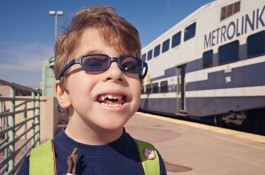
(42, 159)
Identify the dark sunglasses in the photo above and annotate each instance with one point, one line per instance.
(102, 62)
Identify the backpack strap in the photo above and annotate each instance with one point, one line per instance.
(149, 157)
(42, 160)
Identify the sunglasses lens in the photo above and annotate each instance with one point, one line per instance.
(131, 64)
(95, 62)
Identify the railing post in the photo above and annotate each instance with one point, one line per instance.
(33, 114)
(12, 132)
(25, 127)
(38, 116)
(5, 126)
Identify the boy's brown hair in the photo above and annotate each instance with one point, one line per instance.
(114, 29)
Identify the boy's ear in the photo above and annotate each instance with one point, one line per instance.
(62, 95)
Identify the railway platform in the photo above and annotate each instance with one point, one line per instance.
(196, 149)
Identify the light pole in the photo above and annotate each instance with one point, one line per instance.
(55, 14)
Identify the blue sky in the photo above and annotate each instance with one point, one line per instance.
(27, 29)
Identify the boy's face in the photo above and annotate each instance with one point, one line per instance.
(103, 100)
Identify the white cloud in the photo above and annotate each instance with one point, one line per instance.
(21, 62)
(23, 56)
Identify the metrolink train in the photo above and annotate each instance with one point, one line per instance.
(212, 63)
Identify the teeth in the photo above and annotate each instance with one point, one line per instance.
(110, 97)
(111, 100)
(112, 105)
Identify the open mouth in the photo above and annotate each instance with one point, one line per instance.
(111, 100)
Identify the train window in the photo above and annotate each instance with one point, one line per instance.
(176, 39)
(229, 52)
(237, 7)
(229, 10)
(155, 88)
(157, 50)
(148, 89)
(150, 55)
(223, 13)
(165, 46)
(144, 57)
(253, 48)
(164, 87)
(190, 31)
(142, 91)
(207, 59)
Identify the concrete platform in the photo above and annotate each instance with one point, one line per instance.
(197, 149)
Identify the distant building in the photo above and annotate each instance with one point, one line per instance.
(20, 90)
(48, 78)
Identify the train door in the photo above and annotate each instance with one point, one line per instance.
(181, 107)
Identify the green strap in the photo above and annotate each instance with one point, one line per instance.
(151, 166)
(42, 160)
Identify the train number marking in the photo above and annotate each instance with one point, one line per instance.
(228, 79)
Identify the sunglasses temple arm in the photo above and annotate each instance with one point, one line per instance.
(71, 63)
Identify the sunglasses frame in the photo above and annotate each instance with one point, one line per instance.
(144, 65)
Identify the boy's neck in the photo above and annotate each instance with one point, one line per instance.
(86, 135)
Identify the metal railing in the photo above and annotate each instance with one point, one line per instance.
(19, 126)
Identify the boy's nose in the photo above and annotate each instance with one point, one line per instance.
(114, 73)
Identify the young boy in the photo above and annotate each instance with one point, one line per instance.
(99, 76)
